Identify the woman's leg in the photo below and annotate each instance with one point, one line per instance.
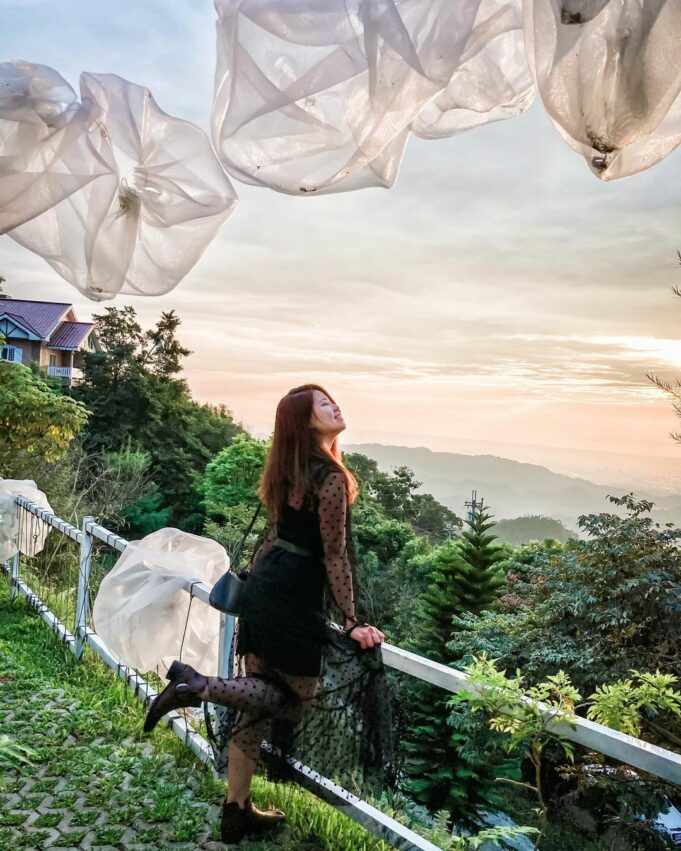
(251, 731)
(244, 746)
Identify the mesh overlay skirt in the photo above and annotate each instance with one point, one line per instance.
(344, 731)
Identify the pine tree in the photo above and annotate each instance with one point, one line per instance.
(448, 756)
(482, 579)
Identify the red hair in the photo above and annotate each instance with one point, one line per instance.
(295, 445)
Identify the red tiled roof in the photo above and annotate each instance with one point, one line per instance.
(70, 335)
(42, 316)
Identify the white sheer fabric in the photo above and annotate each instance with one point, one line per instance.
(141, 610)
(46, 152)
(31, 531)
(318, 95)
(159, 198)
(609, 75)
(492, 81)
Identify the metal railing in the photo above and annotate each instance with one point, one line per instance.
(655, 760)
(59, 371)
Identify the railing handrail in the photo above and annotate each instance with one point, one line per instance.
(651, 758)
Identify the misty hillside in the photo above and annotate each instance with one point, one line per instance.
(510, 488)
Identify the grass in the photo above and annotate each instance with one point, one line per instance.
(85, 727)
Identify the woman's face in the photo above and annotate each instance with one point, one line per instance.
(326, 417)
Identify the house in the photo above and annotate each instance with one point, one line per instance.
(46, 333)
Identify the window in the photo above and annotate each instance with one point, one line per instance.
(11, 353)
(53, 360)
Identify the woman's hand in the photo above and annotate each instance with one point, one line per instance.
(367, 636)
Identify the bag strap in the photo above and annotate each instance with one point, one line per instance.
(237, 551)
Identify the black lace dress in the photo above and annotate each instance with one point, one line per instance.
(301, 582)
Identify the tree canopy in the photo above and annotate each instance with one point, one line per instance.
(34, 416)
(135, 396)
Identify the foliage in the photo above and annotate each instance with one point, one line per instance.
(441, 835)
(444, 770)
(616, 804)
(595, 608)
(14, 753)
(396, 496)
(132, 389)
(505, 701)
(100, 484)
(531, 527)
(437, 829)
(145, 515)
(34, 418)
(623, 704)
(231, 477)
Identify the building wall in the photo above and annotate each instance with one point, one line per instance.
(36, 352)
(30, 350)
(63, 358)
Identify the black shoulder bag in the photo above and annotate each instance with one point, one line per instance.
(226, 594)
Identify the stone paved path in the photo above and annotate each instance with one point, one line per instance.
(90, 793)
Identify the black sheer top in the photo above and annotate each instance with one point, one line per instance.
(322, 526)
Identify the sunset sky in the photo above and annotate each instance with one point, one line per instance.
(499, 298)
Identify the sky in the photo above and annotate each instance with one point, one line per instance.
(498, 299)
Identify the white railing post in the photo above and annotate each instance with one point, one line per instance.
(225, 669)
(15, 563)
(14, 574)
(83, 586)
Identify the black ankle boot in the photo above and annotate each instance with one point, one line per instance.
(236, 823)
(185, 688)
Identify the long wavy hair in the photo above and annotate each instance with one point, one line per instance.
(294, 451)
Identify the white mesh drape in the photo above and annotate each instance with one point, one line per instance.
(492, 81)
(318, 95)
(31, 531)
(46, 152)
(158, 199)
(143, 614)
(609, 75)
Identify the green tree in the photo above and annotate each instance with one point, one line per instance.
(135, 395)
(396, 495)
(445, 770)
(34, 418)
(482, 579)
(229, 491)
(596, 608)
(231, 478)
(531, 527)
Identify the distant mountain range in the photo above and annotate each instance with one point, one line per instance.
(510, 488)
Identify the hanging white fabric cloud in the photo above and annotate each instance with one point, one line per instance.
(31, 531)
(158, 202)
(141, 610)
(46, 152)
(609, 75)
(492, 81)
(318, 95)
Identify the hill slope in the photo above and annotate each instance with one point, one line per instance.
(510, 488)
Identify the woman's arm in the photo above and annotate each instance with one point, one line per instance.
(333, 506)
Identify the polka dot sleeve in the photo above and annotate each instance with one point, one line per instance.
(333, 507)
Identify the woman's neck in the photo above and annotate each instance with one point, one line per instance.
(325, 443)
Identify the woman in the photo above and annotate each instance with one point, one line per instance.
(307, 686)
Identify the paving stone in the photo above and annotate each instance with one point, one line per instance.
(130, 778)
